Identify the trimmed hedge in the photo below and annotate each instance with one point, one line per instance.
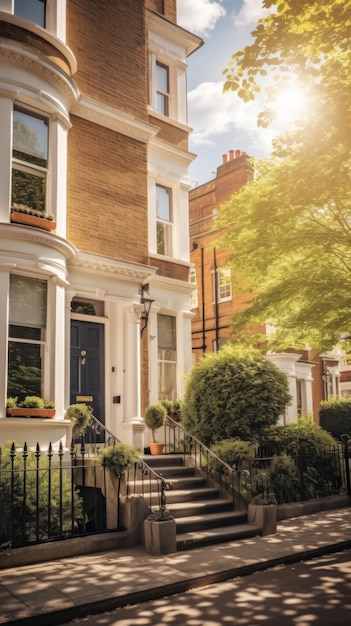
(335, 416)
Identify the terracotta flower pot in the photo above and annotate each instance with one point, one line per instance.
(156, 448)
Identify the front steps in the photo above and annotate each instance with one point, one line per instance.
(202, 516)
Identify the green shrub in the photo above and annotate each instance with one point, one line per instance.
(119, 457)
(23, 519)
(335, 416)
(283, 477)
(236, 392)
(32, 402)
(303, 434)
(234, 452)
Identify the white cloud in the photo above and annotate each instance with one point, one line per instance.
(200, 16)
(250, 13)
(213, 113)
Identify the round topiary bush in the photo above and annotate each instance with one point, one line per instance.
(236, 392)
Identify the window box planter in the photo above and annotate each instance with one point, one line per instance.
(30, 412)
(18, 217)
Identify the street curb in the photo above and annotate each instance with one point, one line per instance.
(58, 617)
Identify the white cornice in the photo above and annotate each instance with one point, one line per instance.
(114, 119)
(172, 32)
(171, 152)
(37, 236)
(98, 263)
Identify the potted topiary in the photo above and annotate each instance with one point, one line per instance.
(155, 416)
(118, 458)
(80, 415)
(31, 406)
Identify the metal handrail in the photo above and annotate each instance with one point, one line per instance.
(178, 440)
(140, 467)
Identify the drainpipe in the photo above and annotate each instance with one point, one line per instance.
(216, 296)
(203, 301)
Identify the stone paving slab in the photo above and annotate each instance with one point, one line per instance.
(57, 591)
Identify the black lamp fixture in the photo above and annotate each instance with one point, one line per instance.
(146, 301)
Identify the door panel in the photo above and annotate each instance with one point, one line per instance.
(87, 366)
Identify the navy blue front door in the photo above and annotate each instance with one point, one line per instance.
(87, 366)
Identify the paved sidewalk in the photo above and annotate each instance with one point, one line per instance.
(58, 591)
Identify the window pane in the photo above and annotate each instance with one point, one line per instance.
(27, 301)
(162, 89)
(162, 78)
(32, 10)
(28, 189)
(24, 370)
(163, 203)
(30, 138)
(160, 238)
(166, 332)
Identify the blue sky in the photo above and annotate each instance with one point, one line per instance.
(220, 122)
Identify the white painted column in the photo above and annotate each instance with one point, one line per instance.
(58, 160)
(304, 373)
(286, 361)
(56, 315)
(133, 424)
(4, 325)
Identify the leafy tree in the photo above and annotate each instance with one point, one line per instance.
(290, 229)
(233, 393)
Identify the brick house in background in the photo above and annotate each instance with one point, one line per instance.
(93, 118)
(312, 376)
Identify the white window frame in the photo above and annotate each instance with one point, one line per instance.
(222, 284)
(33, 168)
(165, 95)
(163, 363)
(165, 226)
(43, 342)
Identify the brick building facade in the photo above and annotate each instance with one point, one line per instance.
(312, 376)
(94, 131)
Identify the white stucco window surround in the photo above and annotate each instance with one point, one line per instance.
(47, 107)
(171, 298)
(167, 168)
(168, 47)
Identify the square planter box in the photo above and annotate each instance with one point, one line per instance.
(160, 537)
(264, 516)
(32, 220)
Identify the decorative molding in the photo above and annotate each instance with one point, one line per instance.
(114, 119)
(40, 65)
(38, 236)
(93, 262)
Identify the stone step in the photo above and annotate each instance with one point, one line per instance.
(161, 460)
(184, 510)
(210, 536)
(201, 521)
